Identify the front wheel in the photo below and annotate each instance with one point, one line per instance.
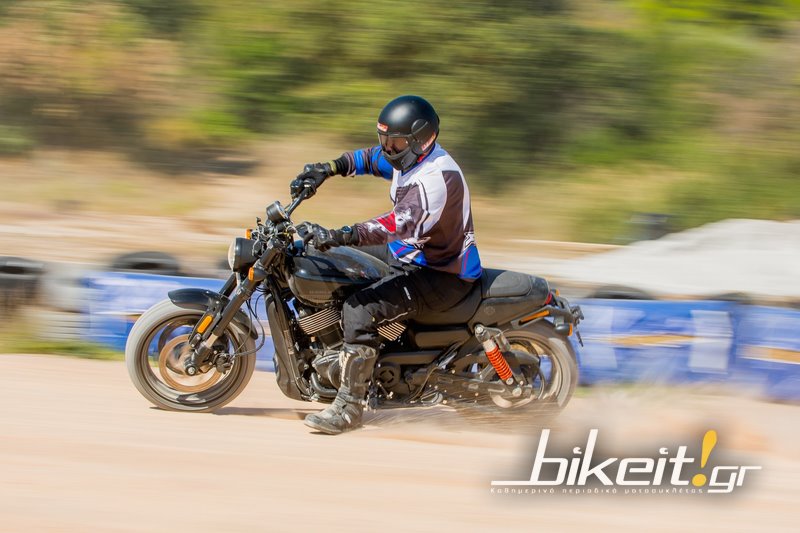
(158, 346)
(548, 362)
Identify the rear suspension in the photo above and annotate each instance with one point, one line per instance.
(496, 345)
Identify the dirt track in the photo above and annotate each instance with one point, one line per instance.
(82, 451)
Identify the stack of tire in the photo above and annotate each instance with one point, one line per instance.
(53, 297)
(61, 313)
(147, 263)
(19, 283)
(67, 298)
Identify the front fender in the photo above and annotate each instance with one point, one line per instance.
(204, 299)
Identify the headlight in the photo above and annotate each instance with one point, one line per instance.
(232, 255)
(240, 254)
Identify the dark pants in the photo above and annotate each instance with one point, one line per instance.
(407, 293)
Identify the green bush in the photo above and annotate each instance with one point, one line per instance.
(525, 89)
(14, 140)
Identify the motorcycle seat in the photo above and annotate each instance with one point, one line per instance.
(497, 283)
(458, 314)
(494, 283)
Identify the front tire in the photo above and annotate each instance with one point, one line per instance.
(153, 355)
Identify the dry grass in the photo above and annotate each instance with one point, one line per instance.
(99, 203)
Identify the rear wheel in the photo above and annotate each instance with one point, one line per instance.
(548, 362)
(157, 348)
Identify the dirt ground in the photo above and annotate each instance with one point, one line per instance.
(80, 450)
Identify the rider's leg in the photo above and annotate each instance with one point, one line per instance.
(347, 409)
(358, 357)
(378, 251)
(398, 298)
(395, 298)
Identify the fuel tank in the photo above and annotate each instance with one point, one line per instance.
(319, 278)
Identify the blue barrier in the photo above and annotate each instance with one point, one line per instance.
(757, 348)
(646, 340)
(116, 300)
(767, 351)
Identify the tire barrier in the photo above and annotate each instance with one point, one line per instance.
(55, 325)
(619, 292)
(62, 287)
(19, 282)
(756, 349)
(147, 263)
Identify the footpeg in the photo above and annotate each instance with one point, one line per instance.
(431, 398)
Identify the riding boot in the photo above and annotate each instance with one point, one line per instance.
(329, 368)
(346, 411)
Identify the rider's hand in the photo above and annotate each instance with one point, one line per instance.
(312, 177)
(324, 239)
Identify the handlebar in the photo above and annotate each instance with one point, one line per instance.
(297, 201)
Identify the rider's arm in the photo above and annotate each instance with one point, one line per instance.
(365, 161)
(413, 215)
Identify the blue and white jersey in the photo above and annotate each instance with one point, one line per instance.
(431, 222)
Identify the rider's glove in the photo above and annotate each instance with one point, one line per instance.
(325, 239)
(312, 177)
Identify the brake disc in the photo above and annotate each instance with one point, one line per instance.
(171, 361)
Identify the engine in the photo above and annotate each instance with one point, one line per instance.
(324, 328)
(325, 325)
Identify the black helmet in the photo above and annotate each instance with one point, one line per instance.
(407, 129)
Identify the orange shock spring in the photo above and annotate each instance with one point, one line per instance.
(498, 361)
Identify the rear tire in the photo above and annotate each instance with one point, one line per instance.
(155, 379)
(553, 388)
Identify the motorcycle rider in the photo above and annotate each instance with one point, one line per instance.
(429, 234)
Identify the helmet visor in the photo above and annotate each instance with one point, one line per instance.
(393, 145)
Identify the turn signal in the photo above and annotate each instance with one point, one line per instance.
(256, 273)
(534, 316)
(204, 324)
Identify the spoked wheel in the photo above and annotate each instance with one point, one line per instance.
(546, 359)
(157, 349)
(171, 360)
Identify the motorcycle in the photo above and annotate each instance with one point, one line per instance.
(503, 349)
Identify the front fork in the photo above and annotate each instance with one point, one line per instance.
(215, 320)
